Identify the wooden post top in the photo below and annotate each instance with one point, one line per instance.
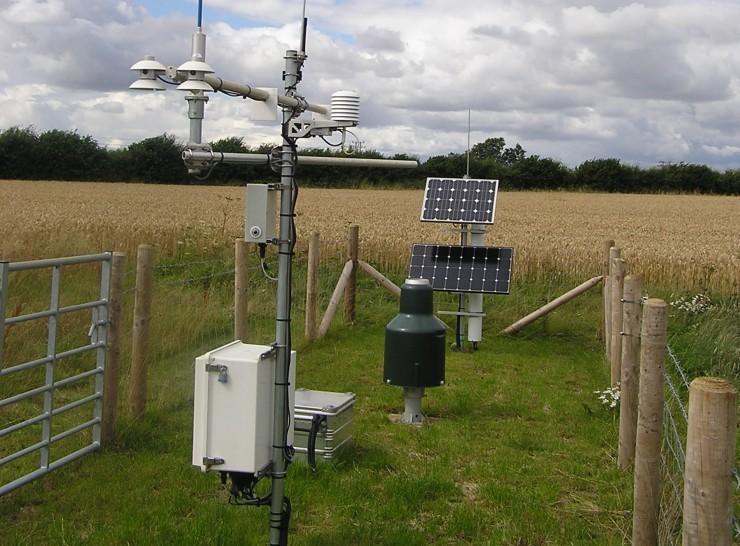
(713, 385)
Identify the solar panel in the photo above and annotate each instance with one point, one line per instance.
(475, 269)
(459, 200)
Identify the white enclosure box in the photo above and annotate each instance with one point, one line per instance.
(259, 222)
(233, 414)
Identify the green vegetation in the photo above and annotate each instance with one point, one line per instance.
(67, 155)
(518, 451)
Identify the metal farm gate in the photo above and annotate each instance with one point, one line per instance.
(45, 392)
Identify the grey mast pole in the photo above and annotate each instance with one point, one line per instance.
(282, 323)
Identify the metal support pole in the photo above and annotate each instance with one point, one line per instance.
(461, 297)
(475, 301)
(100, 335)
(196, 111)
(51, 353)
(4, 273)
(278, 537)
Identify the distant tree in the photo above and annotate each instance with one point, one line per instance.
(729, 182)
(491, 148)
(535, 172)
(158, 159)
(67, 155)
(19, 153)
(511, 155)
(684, 177)
(607, 175)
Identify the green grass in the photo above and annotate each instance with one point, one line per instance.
(517, 450)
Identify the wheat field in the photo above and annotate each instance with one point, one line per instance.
(685, 242)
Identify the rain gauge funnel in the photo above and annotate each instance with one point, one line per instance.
(415, 348)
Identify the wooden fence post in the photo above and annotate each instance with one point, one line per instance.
(351, 289)
(615, 346)
(241, 251)
(710, 460)
(140, 335)
(649, 424)
(312, 282)
(630, 371)
(606, 316)
(113, 359)
(614, 252)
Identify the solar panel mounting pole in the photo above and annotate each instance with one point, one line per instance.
(463, 242)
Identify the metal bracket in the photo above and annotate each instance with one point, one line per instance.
(271, 353)
(462, 313)
(212, 461)
(221, 369)
(316, 127)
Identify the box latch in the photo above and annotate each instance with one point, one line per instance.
(221, 370)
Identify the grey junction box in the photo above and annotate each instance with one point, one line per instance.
(261, 204)
(332, 412)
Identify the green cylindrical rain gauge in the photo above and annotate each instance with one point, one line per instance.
(415, 347)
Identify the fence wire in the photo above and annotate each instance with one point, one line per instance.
(673, 453)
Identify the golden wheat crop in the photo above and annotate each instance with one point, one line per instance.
(681, 241)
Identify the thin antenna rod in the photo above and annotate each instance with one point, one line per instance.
(200, 13)
(304, 26)
(467, 171)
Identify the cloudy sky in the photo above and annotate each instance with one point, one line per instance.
(570, 79)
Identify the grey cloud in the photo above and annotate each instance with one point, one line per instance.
(381, 39)
(510, 34)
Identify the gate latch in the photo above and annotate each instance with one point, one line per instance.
(221, 370)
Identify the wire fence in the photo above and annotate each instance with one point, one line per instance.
(673, 453)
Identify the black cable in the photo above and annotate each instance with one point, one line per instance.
(330, 143)
(316, 422)
(168, 82)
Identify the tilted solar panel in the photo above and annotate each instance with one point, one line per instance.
(472, 269)
(459, 200)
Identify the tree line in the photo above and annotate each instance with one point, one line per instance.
(66, 155)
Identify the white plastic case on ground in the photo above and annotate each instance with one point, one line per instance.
(233, 413)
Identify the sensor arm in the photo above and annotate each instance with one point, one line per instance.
(191, 156)
(254, 93)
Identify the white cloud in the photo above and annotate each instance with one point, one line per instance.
(570, 79)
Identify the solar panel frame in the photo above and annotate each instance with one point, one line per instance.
(462, 269)
(439, 189)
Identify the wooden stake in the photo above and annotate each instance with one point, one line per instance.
(335, 297)
(113, 359)
(649, 424)
(554, 304)
(140, 335)
(615, 347)
(312, 282)
(613, 252)
(605, 317)
(384, 281)
(630, 371)
(350, 291)
(710, 460)
(241, 281)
